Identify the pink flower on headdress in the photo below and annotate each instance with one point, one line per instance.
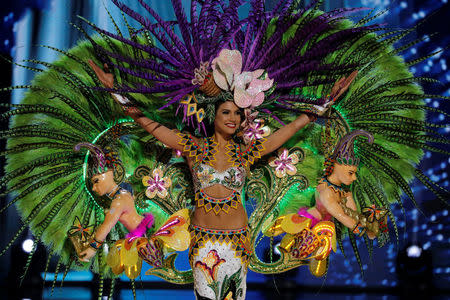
(156, 185)
(228, 75)
(284, 163)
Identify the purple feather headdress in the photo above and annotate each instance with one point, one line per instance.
(344, 152)
(216, 52)
(100, 163)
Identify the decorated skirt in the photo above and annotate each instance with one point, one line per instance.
(126, 255)
(219, 260)
(306, 239)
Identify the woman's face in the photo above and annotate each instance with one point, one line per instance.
(103, 183)
(345, 174)
(228, 118)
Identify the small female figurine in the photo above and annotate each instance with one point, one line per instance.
(122, 208)
(126, 255)
(311, 232)
(332, 198)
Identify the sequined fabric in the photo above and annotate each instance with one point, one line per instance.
(217, 204)
(206, 176)
(219, 260)
(203, 154)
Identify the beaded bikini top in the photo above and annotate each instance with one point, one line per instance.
(205, 176)
(203, 172)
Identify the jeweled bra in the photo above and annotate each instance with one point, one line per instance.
(205, 175)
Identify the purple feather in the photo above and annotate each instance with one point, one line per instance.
(142, 74)
(184, 28)
(299, 99)
(127, 10)
(177, 96)
(273, 116)
(285, 8)
(168, 30)
(98, 155)
(278, 6)
(146, 63)
(194, 26)
(341, 12)
(290, 84)
(150, 50)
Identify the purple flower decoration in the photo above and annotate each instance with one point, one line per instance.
(156, 185)
(255, 131)
(253, 128)
(284, 163)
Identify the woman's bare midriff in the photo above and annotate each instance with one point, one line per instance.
(234, 219)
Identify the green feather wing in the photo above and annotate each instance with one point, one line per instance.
(46, 178)
(385, 100)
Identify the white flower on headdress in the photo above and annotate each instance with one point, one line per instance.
(156, 185)
(228, 75)
(284, 163)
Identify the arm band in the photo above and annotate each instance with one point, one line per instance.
(95, 244)
(359, 229)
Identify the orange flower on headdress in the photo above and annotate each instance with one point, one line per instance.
(156, 184)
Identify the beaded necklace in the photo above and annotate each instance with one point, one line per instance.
(336, 188)
(246, 158)
(206, 154)
(234, 152)
(210, 150)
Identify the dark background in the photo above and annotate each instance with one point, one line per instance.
(391, 274)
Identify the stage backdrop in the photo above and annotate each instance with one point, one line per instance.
(29, 24)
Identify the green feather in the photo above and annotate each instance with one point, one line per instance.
(355, 250)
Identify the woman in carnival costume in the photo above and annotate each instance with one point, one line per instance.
(220, 239)
(275, 65)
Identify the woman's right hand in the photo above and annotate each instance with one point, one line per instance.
(106, 78)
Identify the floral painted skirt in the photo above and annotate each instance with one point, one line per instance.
(219, 260)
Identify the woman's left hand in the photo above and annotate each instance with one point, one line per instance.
(338, 89)
(106, 78)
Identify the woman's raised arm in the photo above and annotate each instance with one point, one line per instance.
(162, 133)
(282, 135)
